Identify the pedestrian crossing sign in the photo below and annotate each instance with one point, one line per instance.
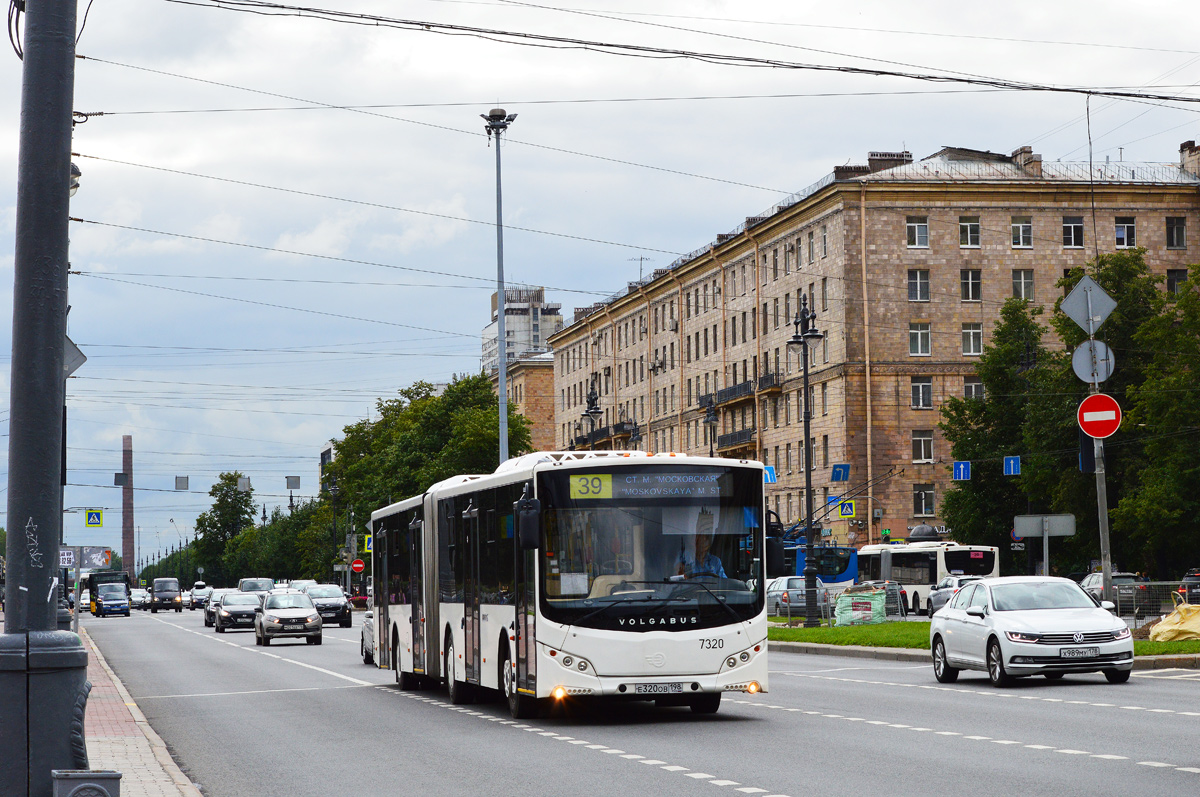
(367, 546)
(95, 519)
(846, 509)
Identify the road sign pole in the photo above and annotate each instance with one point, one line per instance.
(1102, 507)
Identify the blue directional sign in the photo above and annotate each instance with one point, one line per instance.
(1012, 466)
(833, 499)
(769, 476)
(962, 471)
(95, 519)
(841, 473)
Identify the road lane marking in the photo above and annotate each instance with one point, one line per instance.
(1154, 764)
(253, 692)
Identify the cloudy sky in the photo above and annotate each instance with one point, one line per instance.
(259, 267)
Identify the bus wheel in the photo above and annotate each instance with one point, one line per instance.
(458, 691)
(519, 706)
(706, 703)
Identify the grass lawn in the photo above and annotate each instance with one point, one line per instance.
(916, 635)
(881, 635)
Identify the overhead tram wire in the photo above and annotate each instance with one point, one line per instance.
(447, 128)
(377, 205)
(262, 8)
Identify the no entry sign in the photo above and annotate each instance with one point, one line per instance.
(1099, 415)
(357, 565)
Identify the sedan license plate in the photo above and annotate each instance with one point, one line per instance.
(244, 620)
(657, 689)
(1079, 653)
(328, 614)
(293, 628)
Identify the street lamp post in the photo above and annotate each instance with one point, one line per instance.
(496, 123)
(710, 422)
(807, 337)
(635, 437)
(592, 413)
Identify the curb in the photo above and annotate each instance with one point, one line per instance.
(1182, 662)
(181, 781)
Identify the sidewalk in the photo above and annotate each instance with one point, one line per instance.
(119, 737)
(1190, 661)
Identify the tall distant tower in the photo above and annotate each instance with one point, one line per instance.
(127, 547)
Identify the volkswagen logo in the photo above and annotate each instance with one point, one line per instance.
(1078, 637)
(656, 659)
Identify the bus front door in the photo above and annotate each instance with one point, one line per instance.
(415, 598)
(526, 660)
(471, 528)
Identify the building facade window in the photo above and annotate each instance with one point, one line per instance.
(1175, 279)
(824, 241)
(812, 249)
(1022, 281)
(824, 398)
(918, 285)
(918, 232)
(824, 293)
(922, 392)
(922, 500)
(972, 387)
(968, 232)
(1022, 232)
(972, 339)
(1126, 234)
(971, 281)
(922, 445)
(918, 339)
(1176, 232)
(1072, 232)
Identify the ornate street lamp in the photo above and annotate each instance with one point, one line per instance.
(592, 412)
(806, 338)
(711, 421)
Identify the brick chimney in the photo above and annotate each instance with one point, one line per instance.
(878, 161)
(849, 172)
(1189, 158)
(1029, 162)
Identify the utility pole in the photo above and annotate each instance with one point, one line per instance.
(43, 680)
(497, 123)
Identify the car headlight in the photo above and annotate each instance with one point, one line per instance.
(312, 618)
(270, 618)
(178, 599)
(1121, 633)
(1022, 636)
(224, 613)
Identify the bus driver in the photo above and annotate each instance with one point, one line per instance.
(701, 562)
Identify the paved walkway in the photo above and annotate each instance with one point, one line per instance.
(120, 739)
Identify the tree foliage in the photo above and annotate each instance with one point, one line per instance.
(232, 513)
(1030, 407)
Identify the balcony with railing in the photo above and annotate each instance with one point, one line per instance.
(770, 383)
(739, 439)
(738, 392)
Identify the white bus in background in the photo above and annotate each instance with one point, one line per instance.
(573, 575)
(920, 565)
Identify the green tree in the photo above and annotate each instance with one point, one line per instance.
(1158, 514)
(232, 512)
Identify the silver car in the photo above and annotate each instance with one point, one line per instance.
(788, 592)
(368, 637)
(941, 592)
(287, 614)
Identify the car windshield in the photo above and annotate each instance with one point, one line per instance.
(298, 601)
(651, 549)
(1124, 579)
(252, 584)
(240, 599)
(324, 592)
(110, 590)
(167, 585)
(1028, 595)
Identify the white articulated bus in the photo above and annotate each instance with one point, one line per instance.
(564, 575)
(920, 565)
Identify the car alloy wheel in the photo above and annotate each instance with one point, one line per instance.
(944, 673)
(995, 665)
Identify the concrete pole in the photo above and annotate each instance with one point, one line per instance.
(497, 123)
(42, 670)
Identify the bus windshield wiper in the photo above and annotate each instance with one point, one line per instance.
(626, 601)
(716, 598)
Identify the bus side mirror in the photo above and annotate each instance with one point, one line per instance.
(776, 566)
(774, 525)
(529, 521)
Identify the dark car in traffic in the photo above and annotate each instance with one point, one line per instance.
(1130, 592)
(1189, 589)
(236, 610)
(165, 595)
(213, 602)
(331, 603)
(200, 595)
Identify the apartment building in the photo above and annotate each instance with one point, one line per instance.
(531, 392)
(906, 264)
(529, 321)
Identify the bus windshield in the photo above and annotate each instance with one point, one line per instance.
(651, 547)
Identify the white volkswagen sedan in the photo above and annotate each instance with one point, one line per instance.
(1028, 625)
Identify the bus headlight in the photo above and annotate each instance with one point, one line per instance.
(731, 661)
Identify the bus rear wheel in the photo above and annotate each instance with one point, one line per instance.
(706, 703)
(458, 691)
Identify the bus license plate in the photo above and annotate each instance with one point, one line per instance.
(657, 689)
(1079, 653)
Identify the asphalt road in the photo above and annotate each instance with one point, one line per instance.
(299, 720)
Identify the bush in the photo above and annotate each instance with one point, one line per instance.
(359, 601)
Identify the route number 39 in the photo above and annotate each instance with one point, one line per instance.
(591, 485)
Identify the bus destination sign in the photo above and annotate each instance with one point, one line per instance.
(645, 485)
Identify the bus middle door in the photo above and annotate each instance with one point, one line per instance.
(415, 597)
(471, 533)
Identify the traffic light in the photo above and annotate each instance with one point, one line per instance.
(344, 554)
(887, 535)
